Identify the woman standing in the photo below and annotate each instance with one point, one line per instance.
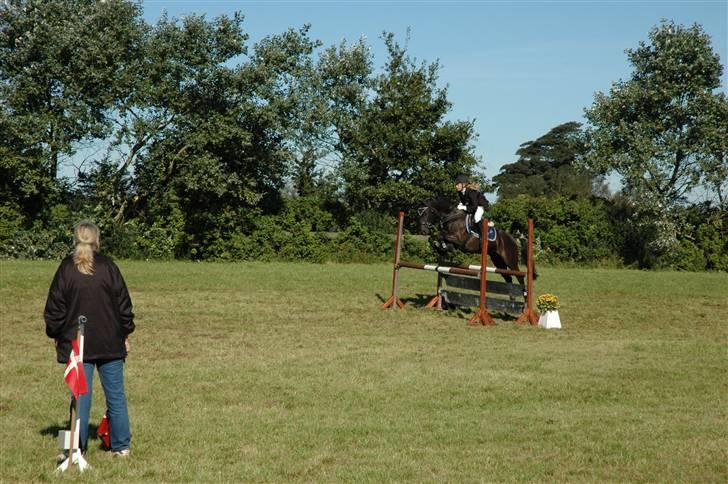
(90, 284)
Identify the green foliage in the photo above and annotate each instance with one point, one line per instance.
(547, 166)
(417, 250)
(11, 221)
(65, 68)
(358, 244)
(712, 237)
(664, 130)
(567, 229)
(161, 240)
(286, 238)
(399, 148)
(49, 239)
(377, 222)
(210, 149)
(686, 256)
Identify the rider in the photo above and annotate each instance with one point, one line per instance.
(472, 200)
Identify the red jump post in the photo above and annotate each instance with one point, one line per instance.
(528, 313)
(482, 316)
(394, 301)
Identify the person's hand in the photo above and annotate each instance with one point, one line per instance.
(461, 206)
(127, 345)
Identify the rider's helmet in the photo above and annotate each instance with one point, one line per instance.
(461, 179)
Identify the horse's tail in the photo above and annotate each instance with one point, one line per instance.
(524, 257)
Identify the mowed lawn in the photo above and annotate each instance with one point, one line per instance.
(291, 372)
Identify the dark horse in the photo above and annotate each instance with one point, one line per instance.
(442, 213)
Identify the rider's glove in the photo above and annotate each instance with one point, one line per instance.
(461, 206)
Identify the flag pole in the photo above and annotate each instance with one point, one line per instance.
(80, 461)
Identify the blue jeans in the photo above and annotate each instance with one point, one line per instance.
(111, 373)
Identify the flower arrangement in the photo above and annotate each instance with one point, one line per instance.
(547, 302)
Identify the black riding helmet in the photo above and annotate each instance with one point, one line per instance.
(461, 179)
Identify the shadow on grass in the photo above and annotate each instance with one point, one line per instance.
(421, 300)
(52, 430)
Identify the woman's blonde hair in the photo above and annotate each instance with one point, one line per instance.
(86, 237)
(473, 186)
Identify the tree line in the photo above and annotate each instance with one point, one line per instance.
(182, 139)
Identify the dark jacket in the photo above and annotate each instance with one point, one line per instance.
(102, 297)
(472, 199)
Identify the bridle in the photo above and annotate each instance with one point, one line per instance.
(422, 210)
(442, 221)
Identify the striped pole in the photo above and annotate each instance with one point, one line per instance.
(463, 270)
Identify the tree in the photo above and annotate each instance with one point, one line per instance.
(331, 96)
(547, 166)
(65, 64)
(400, 149)
(664, 130)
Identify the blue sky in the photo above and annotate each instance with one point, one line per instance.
(518, 68)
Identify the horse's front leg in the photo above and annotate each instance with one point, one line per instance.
(440, 247)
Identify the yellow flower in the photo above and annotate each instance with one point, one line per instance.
(547, 302)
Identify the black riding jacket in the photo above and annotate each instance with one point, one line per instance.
(102, 297)
(472, 199)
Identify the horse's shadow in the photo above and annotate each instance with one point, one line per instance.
(420, 300)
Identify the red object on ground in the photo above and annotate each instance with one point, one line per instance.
(104, 432)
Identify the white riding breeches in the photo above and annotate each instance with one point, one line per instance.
(479, 215)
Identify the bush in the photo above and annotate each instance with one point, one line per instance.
(358, 244)
(686, 257)
(712, 238)
(11, 222)
(416, 250)
(158, 241)
(577, 230)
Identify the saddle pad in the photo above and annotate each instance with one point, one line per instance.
(492, 234)
(469, 225)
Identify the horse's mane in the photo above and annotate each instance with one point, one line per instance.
(442, 204)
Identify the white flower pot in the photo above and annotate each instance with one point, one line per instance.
(550, 320)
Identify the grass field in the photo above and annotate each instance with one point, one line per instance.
(291, 372)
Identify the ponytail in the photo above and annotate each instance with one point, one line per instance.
(86, 238)
(473, 186)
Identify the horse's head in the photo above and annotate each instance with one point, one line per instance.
(432, 212)
(428, 219)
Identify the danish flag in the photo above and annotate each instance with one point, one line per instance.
(74, 374)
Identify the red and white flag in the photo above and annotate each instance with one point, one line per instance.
(74, 375)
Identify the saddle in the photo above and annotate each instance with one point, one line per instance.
(474, 229)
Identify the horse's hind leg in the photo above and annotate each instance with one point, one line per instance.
(510, 256)
(500, 263)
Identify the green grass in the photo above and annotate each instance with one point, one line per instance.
(291, 372)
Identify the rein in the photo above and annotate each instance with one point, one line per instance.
(451, 216)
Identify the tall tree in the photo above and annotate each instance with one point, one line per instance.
(547, 166)
(331, 96)
(182, 105)
(664, 130)
(400, 148)
(65, 63)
